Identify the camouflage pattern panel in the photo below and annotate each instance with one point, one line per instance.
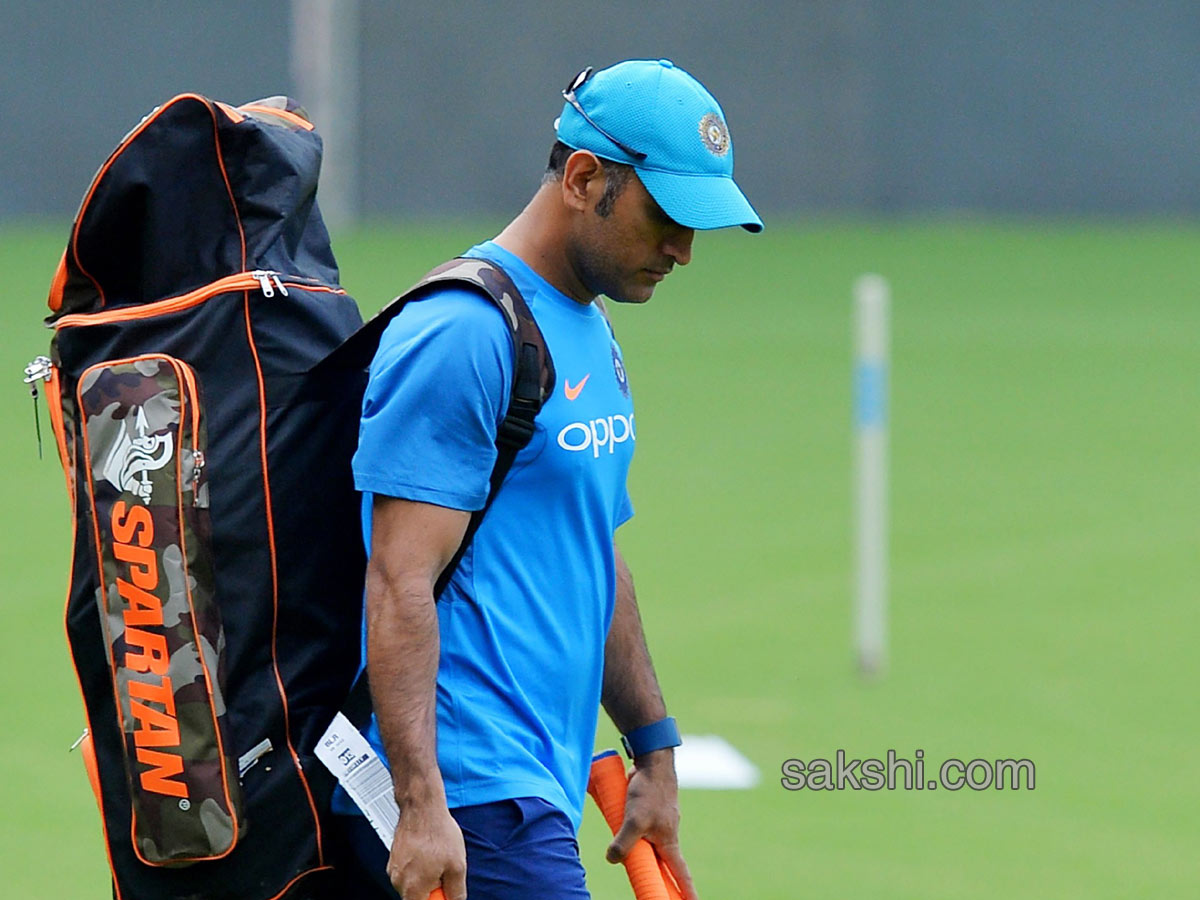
(494, 281)
(144, 443)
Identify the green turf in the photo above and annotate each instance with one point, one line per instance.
(1046, 557)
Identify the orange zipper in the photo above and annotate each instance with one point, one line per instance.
(188, 381)
(241, 281)
(233, 114)
(58, 426)
(188, 387)
(284, 114)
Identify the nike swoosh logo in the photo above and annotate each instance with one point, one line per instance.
(573, 392)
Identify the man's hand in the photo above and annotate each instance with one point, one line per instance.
(652, 812)
(428, 852)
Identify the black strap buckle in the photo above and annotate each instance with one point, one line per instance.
(515, 431)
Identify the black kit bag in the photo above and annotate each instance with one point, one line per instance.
(204, 385)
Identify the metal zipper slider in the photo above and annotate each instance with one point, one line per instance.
(197, 469)
(41, 368)
(264, 277)
(250, 758)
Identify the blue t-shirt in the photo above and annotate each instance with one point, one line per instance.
(523, 621)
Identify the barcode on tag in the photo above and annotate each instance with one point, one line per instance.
(362, 774)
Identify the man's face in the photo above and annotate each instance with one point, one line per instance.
(625, 254)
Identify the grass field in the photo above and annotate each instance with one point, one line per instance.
(1045, 565)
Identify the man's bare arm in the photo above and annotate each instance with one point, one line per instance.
(630, 693)
(411, 544)
(631, 696)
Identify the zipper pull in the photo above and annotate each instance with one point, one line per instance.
(279, 284)
(264, 282)
(197, 469)
(41, 368)
(250, 758)
(82, 738)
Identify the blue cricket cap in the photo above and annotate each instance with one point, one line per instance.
(654, 116)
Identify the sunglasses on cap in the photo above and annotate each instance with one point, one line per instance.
(569, 95)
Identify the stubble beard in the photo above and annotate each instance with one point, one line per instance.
(599, 275)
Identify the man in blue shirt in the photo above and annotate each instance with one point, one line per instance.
(486, 700)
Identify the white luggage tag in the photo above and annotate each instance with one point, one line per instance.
(362, 774)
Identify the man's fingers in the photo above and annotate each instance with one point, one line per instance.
(395, 874)
(623, 842)
(451, 885)
(418, 887)
(454, 883)
(679, 869)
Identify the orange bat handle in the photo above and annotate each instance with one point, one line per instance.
(673, 891)
(607, 785)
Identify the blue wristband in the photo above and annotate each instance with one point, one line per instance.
(655, 736)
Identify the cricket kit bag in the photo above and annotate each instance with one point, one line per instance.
(215, 599)
(204, 384)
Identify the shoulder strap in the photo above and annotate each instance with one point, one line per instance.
(480, 275)
(533, 383)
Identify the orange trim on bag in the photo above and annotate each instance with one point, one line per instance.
(262, 435)
(89, 766)
(234, 115)
(53, 388)
(93, 774)
(121, 149)
(142, 126)
(189, 377)
(288, 116)
(57, 284)
(241, 281)
(228, 187)
(287, 887)
(227, 285)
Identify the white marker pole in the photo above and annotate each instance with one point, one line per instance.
(871, 302)
(325, 71)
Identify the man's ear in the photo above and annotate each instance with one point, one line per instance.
(582, 181)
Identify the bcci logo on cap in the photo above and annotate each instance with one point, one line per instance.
(714, 134)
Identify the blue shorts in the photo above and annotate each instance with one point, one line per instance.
(515, 849)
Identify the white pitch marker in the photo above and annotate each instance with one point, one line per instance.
(872, 299)
(709, 762)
